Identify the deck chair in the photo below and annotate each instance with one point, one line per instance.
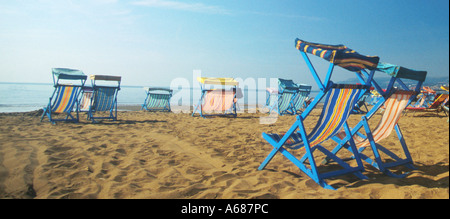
(64, 99)
(394, 101)
(217, 102)
(157, 99)
(339, 101)
(299, 101)
(104, 97)
(440, 100)
(424, 99)
(282, 99)
(85, 101)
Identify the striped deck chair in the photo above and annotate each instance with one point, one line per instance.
(361, 106)
(424, 99)
(217, 102)
(339, 101)
(272, 98)
(394, 107)
(287, 98)
(158, 99)
(85, 101)
(104, 98)
(300, 98)
(280, 102)
(394, 101)
(436, 106)
(337, 108)
(65, 97)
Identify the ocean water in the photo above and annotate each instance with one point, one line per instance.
(26, 97)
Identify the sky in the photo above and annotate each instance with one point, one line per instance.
(153, 42)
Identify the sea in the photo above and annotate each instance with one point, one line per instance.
(27, 97)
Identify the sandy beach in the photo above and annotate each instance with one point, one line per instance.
(176, 156)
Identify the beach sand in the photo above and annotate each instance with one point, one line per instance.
(176, 156)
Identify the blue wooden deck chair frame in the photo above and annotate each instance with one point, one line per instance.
(339, 101)
(65, 96)
(204, 81)
(397, 73)
(104, 97)
(157, 99)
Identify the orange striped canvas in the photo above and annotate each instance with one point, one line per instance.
(394, 108)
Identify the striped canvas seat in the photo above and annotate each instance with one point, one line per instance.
(301, 97)
(281, 103)
(337, 108)
(394, 107)
(66, 97)
(158, 99)
(217, 102)
(85, 102)
(288, 99)
(104, 98)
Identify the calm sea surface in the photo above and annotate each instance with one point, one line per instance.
(25, 97)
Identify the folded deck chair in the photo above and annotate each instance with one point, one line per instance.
(157, 99)
(339, 101)
(394, 101)
(65, 96)
(104, 97)
(217, 102)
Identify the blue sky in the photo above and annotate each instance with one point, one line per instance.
(151, 42)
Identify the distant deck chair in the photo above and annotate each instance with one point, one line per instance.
(157, 99)
(394, 101)
(64, 99)
(424, 99)
(217, 102)
(281, 100)
(361, 106)
(104, 97)
(436, 106)
(85, 101)
(299, 102)
(339, 101)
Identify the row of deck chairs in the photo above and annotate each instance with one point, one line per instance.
(290, 98)
(430, 101)
(339, 102)
(71, 96)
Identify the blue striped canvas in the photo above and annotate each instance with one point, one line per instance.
(104, 99)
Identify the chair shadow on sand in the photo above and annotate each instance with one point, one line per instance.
(423, 178)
